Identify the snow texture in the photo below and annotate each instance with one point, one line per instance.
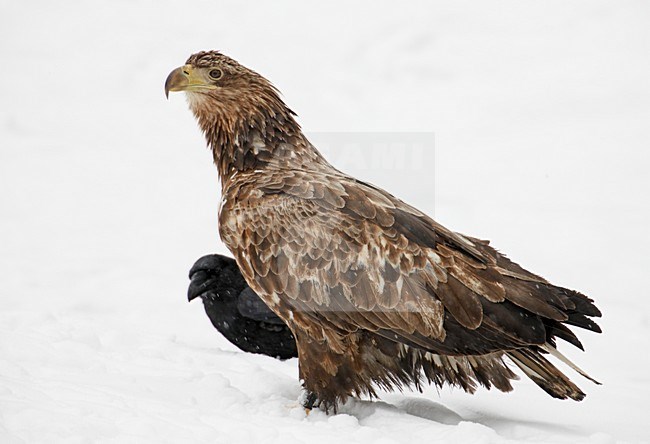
(541, 116)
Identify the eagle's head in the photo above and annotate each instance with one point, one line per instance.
(241, 114)
(222, 92)
(210, 74)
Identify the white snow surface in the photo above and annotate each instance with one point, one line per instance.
(541, 114)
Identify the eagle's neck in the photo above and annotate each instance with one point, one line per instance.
(254, 137)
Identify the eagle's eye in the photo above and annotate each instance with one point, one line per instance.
(215, 74)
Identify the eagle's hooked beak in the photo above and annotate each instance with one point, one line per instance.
(178, 79)
(187, 78)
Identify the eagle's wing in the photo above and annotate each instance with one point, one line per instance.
(342, 254)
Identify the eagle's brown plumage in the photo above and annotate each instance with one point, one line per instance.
(376, 293)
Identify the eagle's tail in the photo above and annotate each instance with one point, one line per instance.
(546, 375)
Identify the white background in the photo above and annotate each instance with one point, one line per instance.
(541, 112)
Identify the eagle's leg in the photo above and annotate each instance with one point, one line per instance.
(331, 372)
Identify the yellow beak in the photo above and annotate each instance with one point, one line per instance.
(177, 80)
(186, 78)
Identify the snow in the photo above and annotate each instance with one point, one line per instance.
(540, 112)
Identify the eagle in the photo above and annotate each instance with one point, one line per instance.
(377, 294)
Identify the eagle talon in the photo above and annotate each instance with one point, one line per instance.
(309, 401)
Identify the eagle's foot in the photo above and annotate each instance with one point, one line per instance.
(309, 400)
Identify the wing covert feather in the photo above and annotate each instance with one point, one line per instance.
(355, 256)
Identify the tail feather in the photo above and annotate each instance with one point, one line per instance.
(545, 374)
(578, 310)
(554, 352)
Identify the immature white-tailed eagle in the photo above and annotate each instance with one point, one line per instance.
(376, 293)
